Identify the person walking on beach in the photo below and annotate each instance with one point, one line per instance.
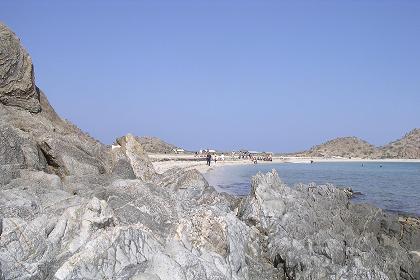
(208, 158)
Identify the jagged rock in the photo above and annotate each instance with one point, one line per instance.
(63, 149)
(116, 253)
(73, 208)
(17, 86)
(315, 233)
(18, 149)
(123, 170)
(139, 160)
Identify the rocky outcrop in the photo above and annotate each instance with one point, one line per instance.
(129, 148)
(314, 232)
(17, 86)
(184, 229)
(73, 208)
(65, 149)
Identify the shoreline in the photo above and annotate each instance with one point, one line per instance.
(164, 162)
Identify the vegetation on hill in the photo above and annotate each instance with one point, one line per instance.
(407, 147)
(155, 145)
(342, 147)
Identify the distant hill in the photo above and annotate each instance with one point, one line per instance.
(406, 147)
(342, 147)
(155, 145)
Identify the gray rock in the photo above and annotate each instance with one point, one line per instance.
(313, 232)
(138, 158)
(73, 208)
(17, 86)
(18, 149)
(63, 149)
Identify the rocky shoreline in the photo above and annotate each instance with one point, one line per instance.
(73, 208)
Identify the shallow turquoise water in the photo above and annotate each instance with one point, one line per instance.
(394, 187)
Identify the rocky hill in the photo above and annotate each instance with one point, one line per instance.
(154, 145)
(406, 147)
(73, 208)
(342, 147)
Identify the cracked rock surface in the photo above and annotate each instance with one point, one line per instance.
(17, 85)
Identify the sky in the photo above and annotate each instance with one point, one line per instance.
(276, 76)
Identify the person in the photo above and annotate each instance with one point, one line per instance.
(215, 158)
(208, 158)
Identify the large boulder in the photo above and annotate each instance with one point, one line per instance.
(17, 86)
(129, 149)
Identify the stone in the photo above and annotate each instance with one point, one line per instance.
(314, 232)
(139, 160)
(73, 208)
(19, 150)
(17, 85)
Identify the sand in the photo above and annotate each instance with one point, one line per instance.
(163, 162)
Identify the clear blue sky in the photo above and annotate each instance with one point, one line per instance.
(262, 75)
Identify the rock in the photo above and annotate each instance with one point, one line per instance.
(63, 149)
(410, 227)
(145, 276)
(315, 233)
(123, 170)
(19, 150)
(17, 86)
(139, 160)
(73, 208)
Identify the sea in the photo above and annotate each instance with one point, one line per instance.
(394, 187)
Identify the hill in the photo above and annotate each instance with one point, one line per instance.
(155, 145)
(406, 147)
(342, 147)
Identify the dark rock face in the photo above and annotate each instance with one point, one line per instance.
(73, 208)
(17, 86)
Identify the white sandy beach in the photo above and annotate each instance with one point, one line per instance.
(163, 162)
